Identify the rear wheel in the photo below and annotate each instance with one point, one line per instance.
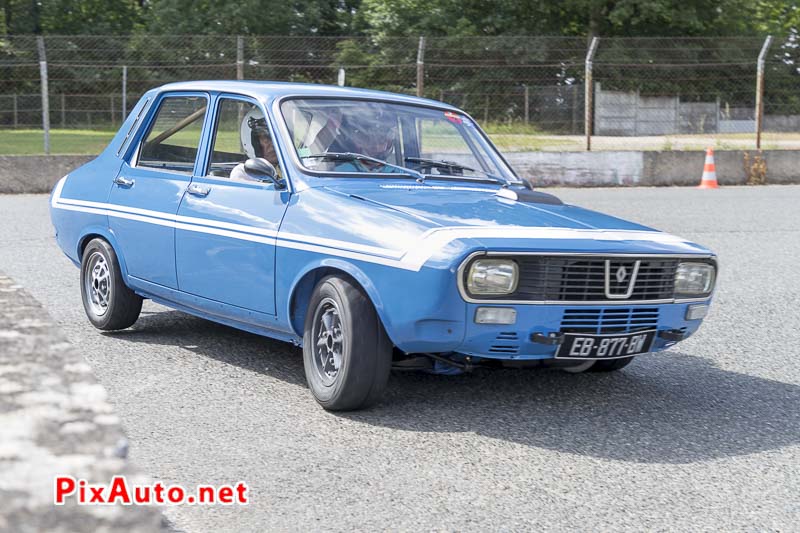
(108, 302)
(346, 353)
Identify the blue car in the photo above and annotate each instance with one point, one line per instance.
(375, 230)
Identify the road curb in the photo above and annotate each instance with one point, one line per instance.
(55, 420)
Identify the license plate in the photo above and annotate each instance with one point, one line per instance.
(580, 346)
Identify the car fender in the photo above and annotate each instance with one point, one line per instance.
(92, 231)
(350, 269)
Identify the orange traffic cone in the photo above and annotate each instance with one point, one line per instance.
(709, 179)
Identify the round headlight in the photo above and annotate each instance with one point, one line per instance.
(694, 279)
(492, 277)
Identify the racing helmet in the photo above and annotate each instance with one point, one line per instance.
(253, 128)
(371, 134)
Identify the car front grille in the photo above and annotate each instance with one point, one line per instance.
(608, 320)
(506, 342)
(583, 279)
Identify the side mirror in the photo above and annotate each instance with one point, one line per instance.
(259, 169)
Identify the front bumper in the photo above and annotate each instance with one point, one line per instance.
(515, 341)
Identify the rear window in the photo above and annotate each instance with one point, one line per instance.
(174, 136)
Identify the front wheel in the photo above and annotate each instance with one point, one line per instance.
(347, 355)
(611, 365)
(600, 365)
(108, 302)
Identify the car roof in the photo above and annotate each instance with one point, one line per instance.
(268, 90)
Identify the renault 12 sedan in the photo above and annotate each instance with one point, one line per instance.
(375, 230)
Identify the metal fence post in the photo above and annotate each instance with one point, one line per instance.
(589, 93)
(124, 92)
(63, 111)
(574, 126)
(45, 93)
(527, 105)
(760, 90)
(341, 78)
(676, 125)
(16, 111)
(239, 57)
(421, 66)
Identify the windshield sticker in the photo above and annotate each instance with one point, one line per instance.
(452, 117)
(303, 152)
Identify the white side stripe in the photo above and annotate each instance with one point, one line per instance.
(284, 235)
(344, 253)
(168, 223)
(426, 245)
(176, 218)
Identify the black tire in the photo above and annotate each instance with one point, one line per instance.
(109, 304)
(363, 349)
(611, 365)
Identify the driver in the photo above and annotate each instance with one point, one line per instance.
(371, 136)
(256, 142)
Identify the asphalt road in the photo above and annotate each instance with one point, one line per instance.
(703, 437)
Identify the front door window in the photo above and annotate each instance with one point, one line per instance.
(241, 133)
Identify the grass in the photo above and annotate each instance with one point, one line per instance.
(508, 138)
(516, 142)
(62, 142)
(89, 142)
(516, 128)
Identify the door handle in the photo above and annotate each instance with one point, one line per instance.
(123, 182)
(198, 190)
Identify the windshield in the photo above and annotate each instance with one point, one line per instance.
(367, 137)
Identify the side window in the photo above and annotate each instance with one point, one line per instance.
(174, 136)
(241, 133)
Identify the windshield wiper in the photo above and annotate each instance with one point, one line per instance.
(439, 163)
(452, 165)
(352, 156)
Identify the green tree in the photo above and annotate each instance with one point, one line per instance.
(90, 17)
(251, 17)
(608, 18)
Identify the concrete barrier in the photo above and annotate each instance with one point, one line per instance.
(648, 168)
(578, 169)
(35, 173)
(38, 174)
(55, 420)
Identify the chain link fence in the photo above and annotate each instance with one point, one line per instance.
(529, 92)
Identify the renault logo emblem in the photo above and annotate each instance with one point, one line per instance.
(622, 273)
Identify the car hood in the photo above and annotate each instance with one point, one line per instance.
(465, 205)
(410, 225)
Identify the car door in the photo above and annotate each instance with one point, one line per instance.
(150, 184)
(225, 239)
